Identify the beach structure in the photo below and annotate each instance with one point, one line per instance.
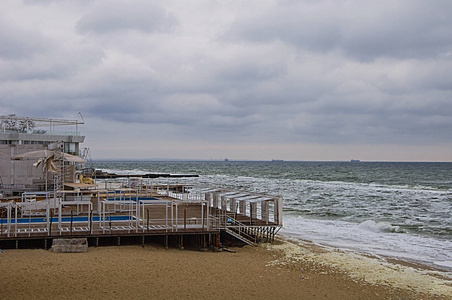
(171, 214)
(44, 201)
(36, 154)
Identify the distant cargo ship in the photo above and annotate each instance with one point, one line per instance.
(355, 160)
(277, 160)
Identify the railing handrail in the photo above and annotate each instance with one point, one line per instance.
(44, 132)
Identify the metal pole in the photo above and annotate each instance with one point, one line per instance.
(15, 223)
(91, 220)
(138, 215)
(202, 215)
(166, 216)
(51, 222)
(98, 202)
(9, 220)
(71, 220)
(59, 216)
(177, 216)
(29, 223)
(47, 211)
(251, 213)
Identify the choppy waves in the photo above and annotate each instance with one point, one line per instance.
(378, 238)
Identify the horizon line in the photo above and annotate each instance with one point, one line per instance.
(254, 160)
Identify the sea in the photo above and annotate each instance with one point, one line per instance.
(400, 210)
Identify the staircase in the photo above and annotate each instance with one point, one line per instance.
(241, 232)
(246, 238)
(249, 234)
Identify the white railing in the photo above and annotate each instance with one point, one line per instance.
(43, 132)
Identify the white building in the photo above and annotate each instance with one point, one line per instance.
(19, 135)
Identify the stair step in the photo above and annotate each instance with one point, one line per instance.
(240, 237)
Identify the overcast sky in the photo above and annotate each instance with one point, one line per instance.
(292, 80)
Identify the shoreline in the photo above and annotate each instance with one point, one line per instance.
(416, 264)
(373, 269)
(379, 239)
(283, 270)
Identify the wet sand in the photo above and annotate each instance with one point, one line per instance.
(279, 271)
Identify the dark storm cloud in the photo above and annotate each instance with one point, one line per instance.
(359, 29)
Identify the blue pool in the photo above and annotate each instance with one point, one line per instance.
(66, 219)
(132, 198)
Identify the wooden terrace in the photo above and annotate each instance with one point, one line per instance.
(175, 214)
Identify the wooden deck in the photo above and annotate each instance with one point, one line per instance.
(208, 217)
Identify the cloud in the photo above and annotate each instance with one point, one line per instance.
(332, 73)
(122, 15)
(20, 42)
(361, 30)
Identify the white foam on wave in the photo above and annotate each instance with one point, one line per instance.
(381, 239)
(444, 263)
(378, 227)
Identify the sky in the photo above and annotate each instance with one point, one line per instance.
(249, 80)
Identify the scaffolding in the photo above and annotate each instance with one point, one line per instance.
(13, 123)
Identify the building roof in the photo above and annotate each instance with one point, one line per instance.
(40, 122)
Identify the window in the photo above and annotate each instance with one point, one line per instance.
(70, 148)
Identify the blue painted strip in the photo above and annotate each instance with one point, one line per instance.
(65, 219)
(133, 198)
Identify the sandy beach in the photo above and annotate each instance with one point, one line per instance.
(279, 271)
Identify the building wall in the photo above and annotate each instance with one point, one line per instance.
(22, 172)
(19, 172)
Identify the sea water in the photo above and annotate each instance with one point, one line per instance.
(393, 209)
